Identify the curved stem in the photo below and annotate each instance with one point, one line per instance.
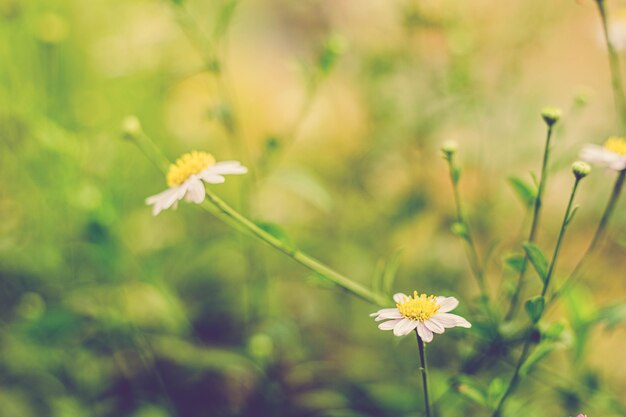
(515, 298)
(424, 372)
(526, 348)
(557, 249)
(598, 236)
(470, 247)
(616, 79)
(233, 218)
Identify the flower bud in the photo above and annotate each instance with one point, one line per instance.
(131, 128)
(581, 169)
(449, 148)
(551, 115)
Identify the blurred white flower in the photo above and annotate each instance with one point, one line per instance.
(611, 155)
(185, 177)
(427, 314)
(617, 34)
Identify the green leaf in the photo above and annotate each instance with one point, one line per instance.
(456, 174)
(537, 259)
(534, 307)
(459, 229)
(385, 273)
(571, 215)
(276, 231)
(225, 18)
(332, 49)
(540, 353)
(554, 331)
(613, 315)
(527, 193)
(515, 261)
(494, 392)
(320, 281)
(472, 390)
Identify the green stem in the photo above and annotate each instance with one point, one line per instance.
(526, 349)
(297, 255)
(233, 218)
(598, 236)
(557, 249)
(515, 298)
(470, 247)
(616, 79)
(424, 372)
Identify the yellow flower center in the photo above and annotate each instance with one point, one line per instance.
(187, 165)
(418, 307)
(616, 144)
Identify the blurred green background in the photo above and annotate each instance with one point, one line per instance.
(339, 108)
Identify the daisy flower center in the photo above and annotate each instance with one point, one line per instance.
(418, 307)
(616, 144)
(187, 165)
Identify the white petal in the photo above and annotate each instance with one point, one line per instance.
(447, 304)
(448, 320)
(424, 333)
(618, 165)
(211, 177)
(195, 190)
(228, 168)
(434, 326)
(399, 297)
(384, 310)
(603, 157)
(390, 315)
(215, 173)
(405, 326)
(388, 325)
(165, 199)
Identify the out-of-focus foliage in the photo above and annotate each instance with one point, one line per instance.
(338, 108)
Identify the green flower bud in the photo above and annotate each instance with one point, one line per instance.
(581, 169)
(449, 148)
(131, 128)
(551, 115)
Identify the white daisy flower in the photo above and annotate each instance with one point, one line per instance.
(611, 155)
(185, 177)
(427, 314)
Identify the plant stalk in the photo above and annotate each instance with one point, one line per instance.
(526, 348)
(424, 372)
(515, 298)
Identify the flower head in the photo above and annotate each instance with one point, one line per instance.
(581, 169)
(551, 115)
(427, 314)
(611, 155)
(185, 177)
(449, 148)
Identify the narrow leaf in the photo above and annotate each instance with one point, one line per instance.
(537, 259)
(515, 261)
(459, 229)
(534, 307)
(540, 353)
(471, 389)
(525, 192)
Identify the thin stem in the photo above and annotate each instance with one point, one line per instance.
(233, 218)
(470, 247)
(424, 372)
(598, 236)
(295, 254)
(616, 79)
(526, 349)
(515, 298)
(557, 249)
